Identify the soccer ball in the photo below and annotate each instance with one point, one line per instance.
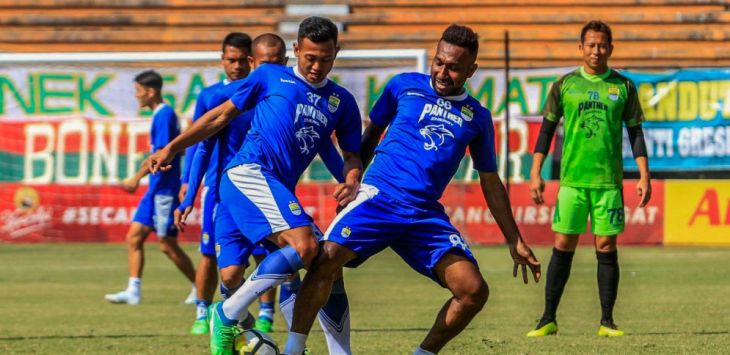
(254, 342)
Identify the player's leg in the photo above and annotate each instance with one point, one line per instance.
(470, 292)
(139, 229)
(265, 318)
(569, 221)
(357, 232)
(206, 275)
(607, 217)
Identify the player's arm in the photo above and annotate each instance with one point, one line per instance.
(207, 125)
(132, 183)
(198, 167)
(332, 160)
(499, 204)
(200, 108)
(349, 137)
(633, 116)
(552, 111)
(352, 170)
(370, 140)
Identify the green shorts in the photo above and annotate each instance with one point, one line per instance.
(575, 204)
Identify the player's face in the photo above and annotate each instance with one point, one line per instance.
(266, 54)
(450, 68)
(596, 50)
(143, 95)
(235, 63)
(315, 60)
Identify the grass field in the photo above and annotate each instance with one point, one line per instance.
(671, 300)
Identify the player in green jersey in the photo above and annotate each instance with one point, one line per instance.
(595, 102)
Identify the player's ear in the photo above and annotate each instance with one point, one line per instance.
(251, 61)
(472, 69)
(296, 49)
(337, 49)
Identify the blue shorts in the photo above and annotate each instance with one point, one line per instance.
(259, 250)
(156, 211)
(260, 203)
(375, 221)
(232, 247)
(209, 205)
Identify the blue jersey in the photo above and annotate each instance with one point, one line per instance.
(202, 105)
(292, 119)
(165, 127)
(427, 139)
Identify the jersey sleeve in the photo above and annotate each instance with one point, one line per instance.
(199, 163)
(332, 159)
(200, 109)
(251, 90)
(349, 127)
(633, 115)
(553, 108)
(165, 129)
(386, 106)
(482, 148)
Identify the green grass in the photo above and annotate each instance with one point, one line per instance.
(671, 300)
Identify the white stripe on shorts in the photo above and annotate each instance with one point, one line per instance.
(365, 193)
(248, 179)
(163, 205)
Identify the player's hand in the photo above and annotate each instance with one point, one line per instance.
(180, 217)
(183, 191)
(130, 185)
(523, 256)
(346, 193)
(643, 189)
(161, 160)
(537, 187)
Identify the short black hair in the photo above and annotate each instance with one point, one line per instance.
(596, 26)
(150, 79)
(461, 36)
(317, 29)
(272, 40)
(237, 39)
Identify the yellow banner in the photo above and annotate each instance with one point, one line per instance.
(697, 212)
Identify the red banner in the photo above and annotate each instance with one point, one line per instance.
(53, 213)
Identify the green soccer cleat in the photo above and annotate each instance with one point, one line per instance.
(547, 329)
(609, 330)
(200, 327)
(222, 336)
(264, 325)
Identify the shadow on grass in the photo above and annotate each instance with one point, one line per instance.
(719, 332)
(108, 336)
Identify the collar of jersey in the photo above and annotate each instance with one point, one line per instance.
(299, 75)
(158, 108)
(592, 77)
(459, 97)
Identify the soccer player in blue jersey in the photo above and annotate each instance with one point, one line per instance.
(236, 62)
(155, 209)
(295, 110)
(431, 122)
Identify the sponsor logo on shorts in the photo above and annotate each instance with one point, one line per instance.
(613, 93)
(295, 208)
(206, 238)
(217, 250)
(346, 232)
(333, 102)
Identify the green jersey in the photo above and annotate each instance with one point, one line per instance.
(594, 108)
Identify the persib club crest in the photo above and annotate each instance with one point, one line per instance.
(467, 113)
(333, 102)
(294, 208)
(206, 238)
(613, 93)
(346, 232)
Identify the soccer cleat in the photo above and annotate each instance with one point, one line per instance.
(547, 329)
(192, 297)
(200, 327)
(609, 330)
(222, 336)
(123, 297)
(264, 325)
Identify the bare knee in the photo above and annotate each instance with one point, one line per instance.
(134, 241)
(473, 295)
(168, 246)
(606, 244)
(307, 248)
(332, 257)
(232, 276)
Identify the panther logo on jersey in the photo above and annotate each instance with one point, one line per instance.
(307, 138)
(590, 125)
(435, 136)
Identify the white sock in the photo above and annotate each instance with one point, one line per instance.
(134, 286)
(235, 306)
(338, 339)
(295, 343)
(287, 309)
(420, 351)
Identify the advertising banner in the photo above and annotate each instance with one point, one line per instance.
(697, 212)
